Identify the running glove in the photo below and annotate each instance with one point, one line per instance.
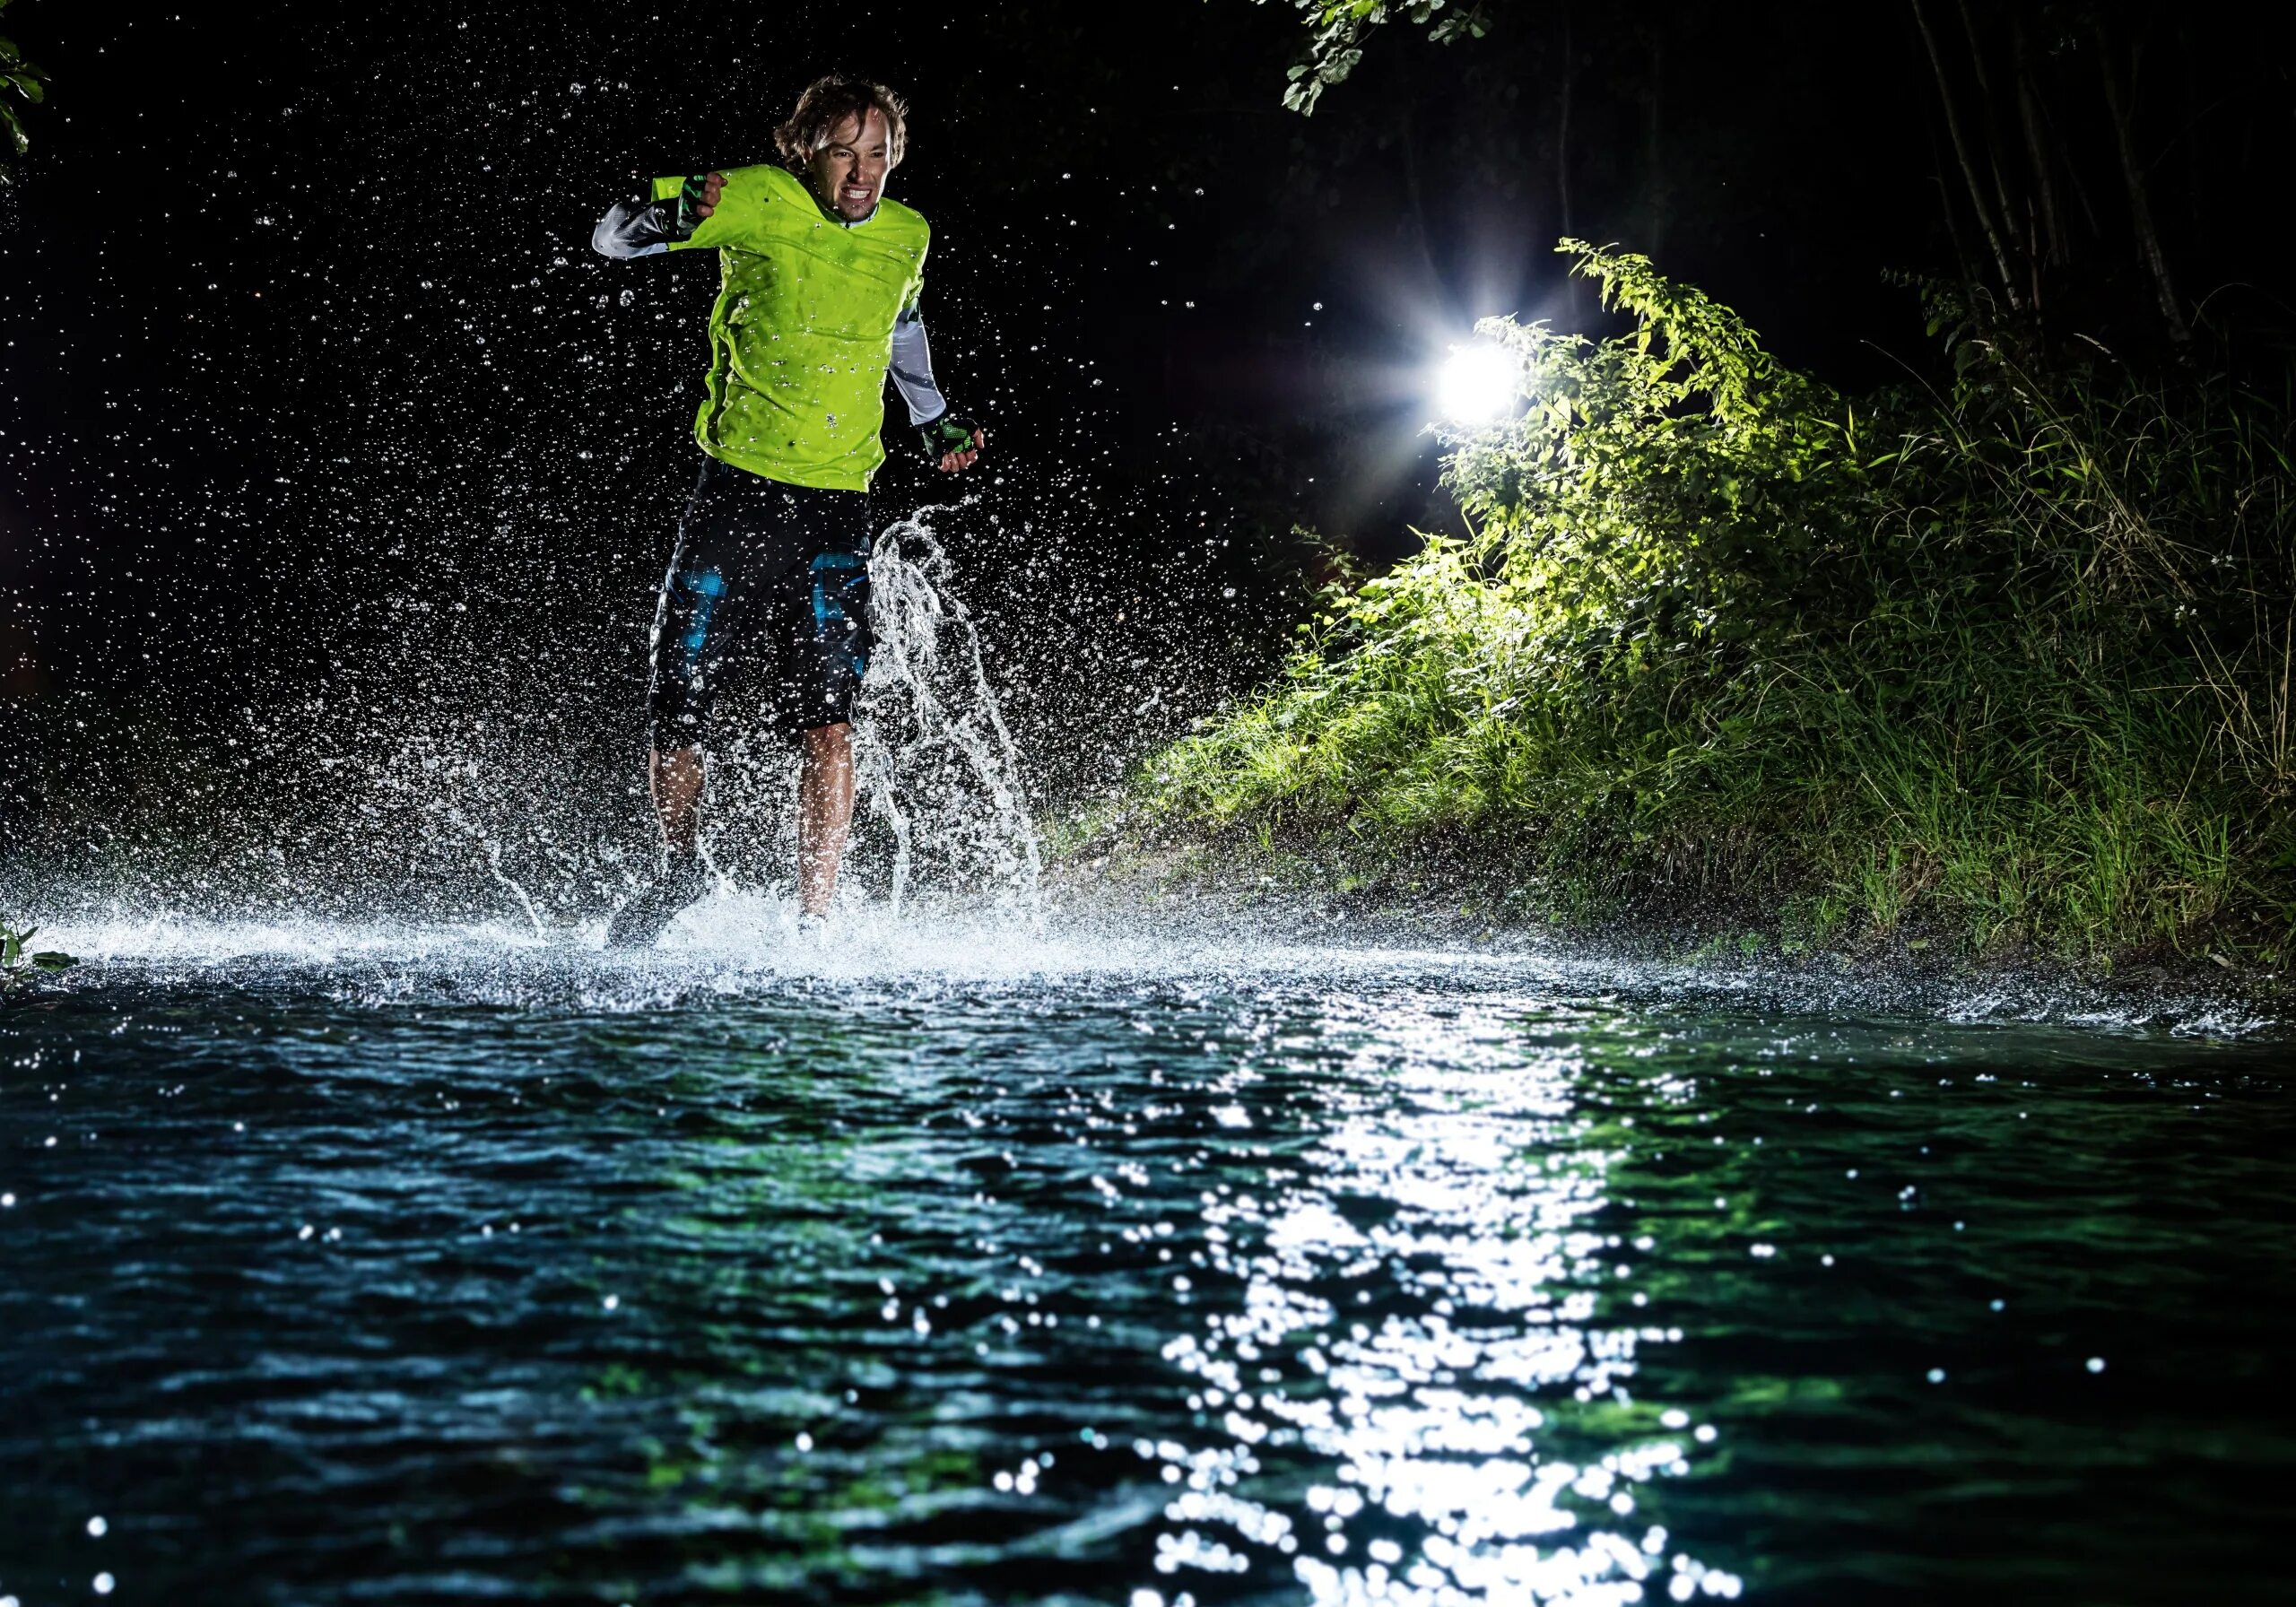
(946, 434)
(689, 197)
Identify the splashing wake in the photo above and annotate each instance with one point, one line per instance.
(931, 754)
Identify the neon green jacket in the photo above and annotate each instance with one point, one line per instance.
(802, 334)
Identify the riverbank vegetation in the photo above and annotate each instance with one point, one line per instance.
(2008, 661)
(20, 79)
(21, 965)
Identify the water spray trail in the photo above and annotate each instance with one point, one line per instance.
(916, 682)
(435, 786)
(486, 844)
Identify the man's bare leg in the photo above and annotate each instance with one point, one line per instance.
(675, 776)
(824, 812)
(676, 779)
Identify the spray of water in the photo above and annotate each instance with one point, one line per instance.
(933, 757)
(936, 768)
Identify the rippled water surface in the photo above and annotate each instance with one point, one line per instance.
(350, 1266)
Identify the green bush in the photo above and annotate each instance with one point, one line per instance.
(21, 964)
(2014, 660)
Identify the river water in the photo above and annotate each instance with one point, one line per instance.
(1032, 1264)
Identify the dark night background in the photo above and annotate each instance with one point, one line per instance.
(326, 435)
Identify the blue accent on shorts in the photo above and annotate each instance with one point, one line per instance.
(828, 608)
(707, 585)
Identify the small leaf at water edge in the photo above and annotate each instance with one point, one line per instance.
(51, 959)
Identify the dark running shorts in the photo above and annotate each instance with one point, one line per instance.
(769, 573)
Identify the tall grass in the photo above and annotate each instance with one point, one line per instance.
(2011, 662)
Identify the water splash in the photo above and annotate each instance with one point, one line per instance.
(491, 849)
(938, 769)
(931, 753)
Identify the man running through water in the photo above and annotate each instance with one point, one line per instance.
(821, 276)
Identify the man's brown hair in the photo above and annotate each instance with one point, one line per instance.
(823, 107)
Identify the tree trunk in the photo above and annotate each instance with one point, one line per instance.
(1973, 272)
(2140, 206)
(1562, 126)
(1563, 154)
(1661, 193)
(2071, 173)
(2012, 206)
(2037, 148)
(1993, 234)
(1409, 149)
(2196, 165)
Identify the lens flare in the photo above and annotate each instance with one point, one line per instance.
(1478, 382)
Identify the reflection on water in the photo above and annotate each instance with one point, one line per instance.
(1427, 1356)
(968, 1266)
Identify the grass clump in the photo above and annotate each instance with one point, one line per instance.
(21, 964)
(2012, 663)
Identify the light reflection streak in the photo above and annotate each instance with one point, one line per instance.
(1422, 1316)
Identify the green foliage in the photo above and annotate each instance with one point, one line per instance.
(20, 963)
(2015, 659)
(28, 81)
(1337, 30)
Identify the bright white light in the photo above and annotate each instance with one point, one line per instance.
(1478, 382)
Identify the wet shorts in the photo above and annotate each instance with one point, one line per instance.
(765, 574)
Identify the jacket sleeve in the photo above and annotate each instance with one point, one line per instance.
(635, 227)
(912, 369)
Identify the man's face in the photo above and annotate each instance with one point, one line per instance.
(848, 173)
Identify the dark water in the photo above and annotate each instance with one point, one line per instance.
(991, 1269)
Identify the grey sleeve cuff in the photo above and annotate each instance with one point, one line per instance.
(912, 369)
(633, 227)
